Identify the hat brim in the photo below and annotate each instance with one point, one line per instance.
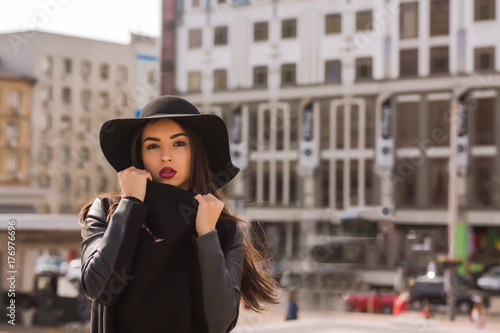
(116, 138)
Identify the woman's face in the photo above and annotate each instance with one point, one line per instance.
(166, 153)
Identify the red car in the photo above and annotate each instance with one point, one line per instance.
(371, 302)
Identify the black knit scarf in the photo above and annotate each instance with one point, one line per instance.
(164, 294)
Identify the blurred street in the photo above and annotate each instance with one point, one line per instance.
(321, 322)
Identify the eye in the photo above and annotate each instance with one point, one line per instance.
(152, 146)
(179, 143)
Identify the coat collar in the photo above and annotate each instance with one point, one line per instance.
(172, 211)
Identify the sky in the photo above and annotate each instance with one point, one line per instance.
(107, 20)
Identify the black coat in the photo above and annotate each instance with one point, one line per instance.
(147, 271)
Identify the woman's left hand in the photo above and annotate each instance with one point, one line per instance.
(209, 210)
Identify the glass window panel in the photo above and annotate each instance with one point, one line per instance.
(438, 171)
(439, 124)
(408, 20)
(484, 122)
(406, 124)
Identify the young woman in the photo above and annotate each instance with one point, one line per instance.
(166, 254)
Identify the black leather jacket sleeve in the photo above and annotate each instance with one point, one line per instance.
(221, 275)
(107, 249)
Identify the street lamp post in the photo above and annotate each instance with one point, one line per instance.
(451, 262)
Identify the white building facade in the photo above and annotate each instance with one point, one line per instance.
(337, 106)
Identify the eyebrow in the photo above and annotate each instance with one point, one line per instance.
(158, 140)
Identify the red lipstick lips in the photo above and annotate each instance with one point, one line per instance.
(167, 172)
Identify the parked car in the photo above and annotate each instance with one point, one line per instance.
(490, 280)
(432, 290)
(74, 271)
(366, 301)
(49, 264)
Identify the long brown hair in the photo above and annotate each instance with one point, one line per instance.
(258, 286)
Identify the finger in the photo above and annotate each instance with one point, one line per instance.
(200, 199)
(210, 198)
(149, 176)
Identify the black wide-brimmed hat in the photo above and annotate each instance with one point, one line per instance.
(116, 135)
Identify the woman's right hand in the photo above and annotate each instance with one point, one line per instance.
(133, 182)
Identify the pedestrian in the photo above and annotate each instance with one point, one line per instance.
(166, 254)
(426, 310)
(478, 313)
(293, 307)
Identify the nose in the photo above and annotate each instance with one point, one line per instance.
(166, 157)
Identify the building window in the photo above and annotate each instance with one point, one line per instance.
(484, 10)
(46, 93)
(354, 129)
(12, 134)
(439, 60)
(260, 77)
(406, 124)
(408, 20)
(369, 183)
(44, 180)
(483, 171)
(46, 65)
(260, 31)
(220, 79)
(438, 171)
(65, 182)
(406, 186)
(84, 184)
(353, 177)
(15, 99)
(47, 122)
(195, 3)
(408, 63)
(65, 123)
(364, 21)
(45, 155)
(84, 156)
(333, 24)
(333, 71)
(364, 69)
(194, 38)
(289, 28)
(104, 99)
(122, 73)
(104, 71)
(220, 35)
(194, 81)
(439, 124)
(370, 124)
(339, 184)
(484, 59)
(340, 127)
(66, 95)
(86, 99)
(484, 122)
(440, 17)
(66, 155)
(68, 66)
(86, 70)
(152, 77)
(288, 74)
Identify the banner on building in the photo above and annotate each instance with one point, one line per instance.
(309, 154)
(238, 139)
(462, 136)
(385, 142)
